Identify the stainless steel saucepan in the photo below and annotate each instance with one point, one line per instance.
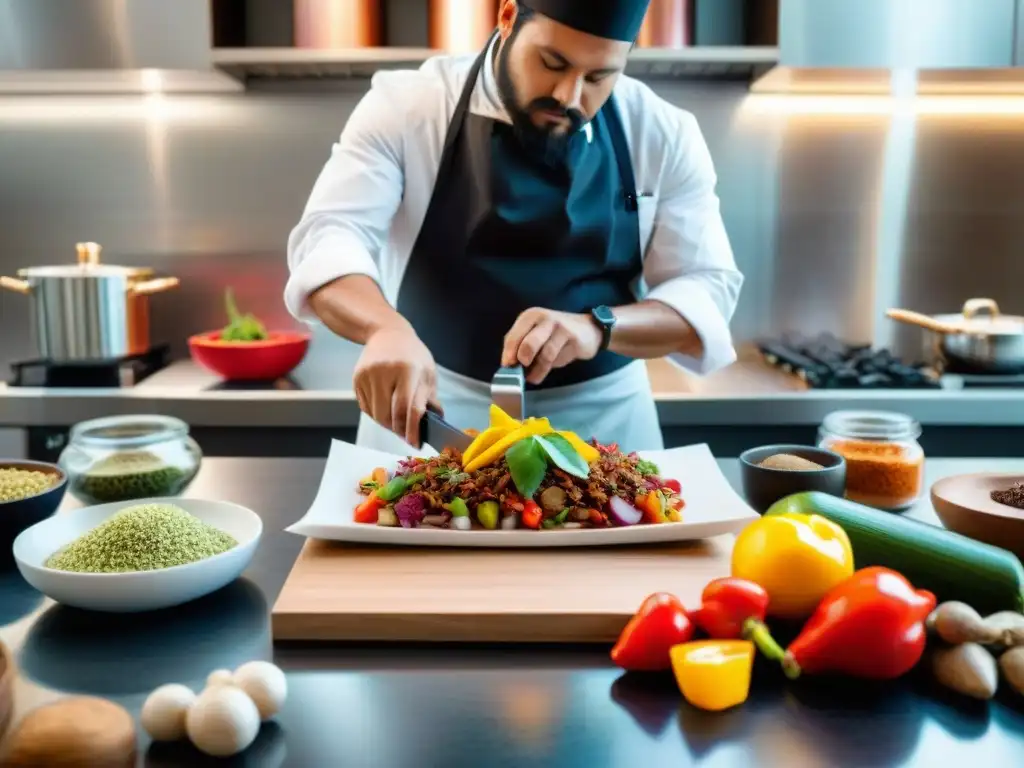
(89, 311)
(978, 340)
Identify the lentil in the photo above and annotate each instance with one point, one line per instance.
(145, 537)
(1011, 497)
(17, 484)
(129, 475)
(883, 475)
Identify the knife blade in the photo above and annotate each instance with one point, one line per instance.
(508, 391)
(439, 434)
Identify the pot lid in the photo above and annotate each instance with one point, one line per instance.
(983, 316)
(88, 265)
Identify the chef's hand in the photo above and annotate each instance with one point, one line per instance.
(542, 339)
(395, 379)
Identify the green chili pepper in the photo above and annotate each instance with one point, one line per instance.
(398, 485)
(557, 520)
(457, 507)
(487, 514)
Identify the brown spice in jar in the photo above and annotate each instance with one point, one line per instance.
(1011, 497)
(878, 474)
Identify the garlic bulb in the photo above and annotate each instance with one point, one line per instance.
(265, 684)
(223, 721)
(219, 677)
(163, 714)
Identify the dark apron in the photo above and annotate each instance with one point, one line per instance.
(505, 231)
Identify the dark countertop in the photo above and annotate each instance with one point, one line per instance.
(500, 707)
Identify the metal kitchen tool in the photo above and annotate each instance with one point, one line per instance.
(89, 311)
(508, 391)
(439, 434)
(978, 340)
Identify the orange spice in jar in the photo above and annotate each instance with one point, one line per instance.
(884, 460)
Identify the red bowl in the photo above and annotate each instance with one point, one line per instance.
(265, 360)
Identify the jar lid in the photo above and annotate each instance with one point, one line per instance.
(872, 425)
(115, 432)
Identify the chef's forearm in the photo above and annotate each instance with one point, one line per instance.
(353, 307)
(650, 329)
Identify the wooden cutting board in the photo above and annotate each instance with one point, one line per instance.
(345, 592)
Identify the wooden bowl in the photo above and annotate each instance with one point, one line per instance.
(6, 688)
(964, 504)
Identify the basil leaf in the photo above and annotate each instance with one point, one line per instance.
(564, 456)
(527, 464)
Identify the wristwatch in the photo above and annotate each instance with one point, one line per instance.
(605, 319)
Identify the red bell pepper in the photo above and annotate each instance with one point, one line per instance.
(367, 511)
(533, 515)
(660, 624)
(727, 605)
(870, 626)
(672, 485)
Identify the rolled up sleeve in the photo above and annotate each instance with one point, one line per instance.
(689, 264)
(346, 221)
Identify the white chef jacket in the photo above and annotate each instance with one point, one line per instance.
(368, 204)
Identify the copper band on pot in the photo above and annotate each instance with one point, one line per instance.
(338, 23)
(461, 26)
(668, 24)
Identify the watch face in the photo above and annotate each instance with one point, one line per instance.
(604, 315)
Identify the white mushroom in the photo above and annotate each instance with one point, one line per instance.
(223, 721)
(265, 684)
(163, 714)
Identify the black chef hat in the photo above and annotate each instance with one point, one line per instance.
(612, 19)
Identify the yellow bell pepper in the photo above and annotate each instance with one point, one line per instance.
(497, 450)
(501, 419)
(713, 674)
(797, 558)
(588, 452)
(501, 425)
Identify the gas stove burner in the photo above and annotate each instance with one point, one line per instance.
(826, 362)
(123, 372)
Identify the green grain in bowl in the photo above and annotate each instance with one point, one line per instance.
(17, 484)
(146, 537)
(129, 475)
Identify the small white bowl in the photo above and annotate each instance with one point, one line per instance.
(140, 590)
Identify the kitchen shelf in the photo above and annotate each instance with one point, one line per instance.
(711, 62)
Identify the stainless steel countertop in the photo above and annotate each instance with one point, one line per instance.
(424, 705)
(746, 394)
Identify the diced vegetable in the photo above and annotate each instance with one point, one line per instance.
(368, 510)
(411, 510)
(672, 485)
(457, 507)
(951, 566)
(532, 515)
(399, 485)
(387, 517)
(622, 512)
(653, 507)
(645, 467)
(509, 523)
(553, 499)
(462, 524)
(714, 674)
(487, 514)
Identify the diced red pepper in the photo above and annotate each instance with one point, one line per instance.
(653, 506)
(367, 511)
(673, 485)
(598, 519)
(533, 515)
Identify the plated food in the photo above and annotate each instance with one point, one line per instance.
(521, 475)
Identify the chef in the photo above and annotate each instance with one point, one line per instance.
(527, 205)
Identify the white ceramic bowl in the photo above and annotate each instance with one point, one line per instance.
(142, 590)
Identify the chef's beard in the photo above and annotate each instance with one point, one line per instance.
(551, 142)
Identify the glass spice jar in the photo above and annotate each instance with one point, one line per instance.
(884, 460)
(121, 458)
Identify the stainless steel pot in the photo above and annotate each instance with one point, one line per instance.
(978, 340)
(88, 311)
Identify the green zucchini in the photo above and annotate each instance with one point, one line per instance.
(951, 566)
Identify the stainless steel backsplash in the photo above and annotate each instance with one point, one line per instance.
(837, 209)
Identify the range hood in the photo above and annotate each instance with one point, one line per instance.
(898, 47)
(108, 46)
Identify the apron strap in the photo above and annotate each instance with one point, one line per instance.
(462, 108)
(622, 156)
